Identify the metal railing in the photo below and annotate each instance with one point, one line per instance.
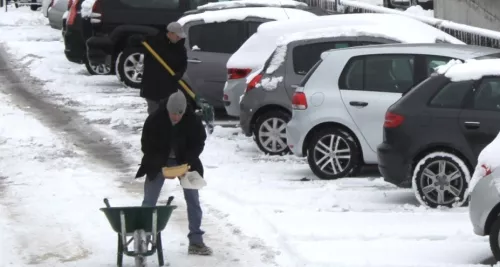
(467, 34)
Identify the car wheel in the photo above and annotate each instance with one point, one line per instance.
(270, 132)
(495, 238)
(130, 66)
(100, 69)
(333, 154)
(441, 179)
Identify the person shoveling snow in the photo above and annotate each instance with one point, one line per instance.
(174, 136)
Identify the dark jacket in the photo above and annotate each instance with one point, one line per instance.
(188, 136)
(157, 83)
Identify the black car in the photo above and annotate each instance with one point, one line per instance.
(75, 36)
(434, 134)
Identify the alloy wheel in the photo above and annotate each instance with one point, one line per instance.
(101, 69)
(332, 154)
(272, 135)
(133, 67)
(441, 182)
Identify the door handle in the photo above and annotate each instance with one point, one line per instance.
(194, 60)
(472, 124)
(358, 104)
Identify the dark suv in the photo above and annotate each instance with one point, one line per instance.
(434, 134)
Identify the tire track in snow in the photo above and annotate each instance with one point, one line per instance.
(94, 142)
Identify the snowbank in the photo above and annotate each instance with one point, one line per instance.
(472, 69)
(255, 51)
(86, 8)
(419, 11)
(243, 3)
(487, 162)
(274, 13)
(22, 16)
(396, 32)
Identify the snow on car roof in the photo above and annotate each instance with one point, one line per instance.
(244, 3)
(275, 13)
(472, 69)
(255, 51)
(395, 32)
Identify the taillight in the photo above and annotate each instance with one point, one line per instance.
(51, 3)
(72, 12)
(96, 8)
(237, 73)
(487, 170)
(253, 83)
(225, 97)
(70, 3)
(393, 120)
(299, 101)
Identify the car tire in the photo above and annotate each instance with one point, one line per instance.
(130, 66)
(450, 180)
(276, 117)
(101, 69)
(494, 238)
(347, 163)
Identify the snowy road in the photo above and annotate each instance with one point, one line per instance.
(67, 140)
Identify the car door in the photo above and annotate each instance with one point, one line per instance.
(369, 85)
(480, 118)
(209, 47)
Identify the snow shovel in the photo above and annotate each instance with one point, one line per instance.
(207, 111)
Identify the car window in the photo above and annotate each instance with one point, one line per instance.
(354, 75)
(379, 73)
(388, 73)
(451, 95)
(161, 4)
(253, 26)
(305, 56)
(433, 62)
(224, 37)
(487, 95)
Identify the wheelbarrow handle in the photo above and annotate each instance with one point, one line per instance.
(170, 199)
(106, 202)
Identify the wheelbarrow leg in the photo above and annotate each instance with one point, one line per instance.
(159, 250)
(119, 258)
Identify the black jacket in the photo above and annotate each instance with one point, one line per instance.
(188, 136)
(157, 83)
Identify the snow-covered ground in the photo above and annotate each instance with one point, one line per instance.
(257, 210)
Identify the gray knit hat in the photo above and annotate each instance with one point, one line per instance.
(176, 103)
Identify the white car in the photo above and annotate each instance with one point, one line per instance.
(338, 117)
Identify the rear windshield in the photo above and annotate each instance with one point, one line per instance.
(309, 73)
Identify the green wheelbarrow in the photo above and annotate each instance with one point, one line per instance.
(141, 225)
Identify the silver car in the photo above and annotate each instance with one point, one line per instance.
(484, 203)
(55, 13)
(338, 123)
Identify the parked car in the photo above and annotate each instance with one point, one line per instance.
(339, 107)
(266, 105)
(403, 4)
(484, 206)
(74, 40)
(433, 135)
(33, 4)
(249, 59)
(56, 11)
(212, 36)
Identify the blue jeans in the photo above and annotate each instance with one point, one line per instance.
(152, 189)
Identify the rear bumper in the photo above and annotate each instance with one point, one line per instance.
(246, 114)
(74, 46)
(393, 166)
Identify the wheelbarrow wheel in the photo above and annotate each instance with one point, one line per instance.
(140, 248)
